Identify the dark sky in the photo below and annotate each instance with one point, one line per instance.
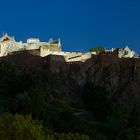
(81, 24)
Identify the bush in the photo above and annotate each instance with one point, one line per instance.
(19, 127)
(97, 100)
(97, 49)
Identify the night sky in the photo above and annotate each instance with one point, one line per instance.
(80, 24)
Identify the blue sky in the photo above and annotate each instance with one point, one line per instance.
(81, 24)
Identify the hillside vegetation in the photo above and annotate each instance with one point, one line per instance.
(40, 105)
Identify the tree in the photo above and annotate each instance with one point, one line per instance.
(32, 101)
(134, 117)
(19, 127)
(129, 134)
(8, 78)
(97, 100)
(97, 49)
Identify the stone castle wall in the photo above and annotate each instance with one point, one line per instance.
(69, 56)
(57, 63)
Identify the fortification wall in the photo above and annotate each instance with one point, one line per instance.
(24, 61)
(80, 58)
(106, 59)
(137, 68)
(127, 69)
(54, 63)
(46, 52)
(137, 62)
(57, 63)
(127, 62)
(69, 56)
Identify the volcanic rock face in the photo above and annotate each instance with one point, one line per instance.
(121, 77)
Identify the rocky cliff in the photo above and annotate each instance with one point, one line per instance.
(121, 77)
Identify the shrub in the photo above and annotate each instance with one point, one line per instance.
(19, 127)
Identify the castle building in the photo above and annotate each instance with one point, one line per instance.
(127, 53)
(9, 45)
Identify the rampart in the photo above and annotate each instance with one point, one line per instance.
(69, 56)
(58, 63)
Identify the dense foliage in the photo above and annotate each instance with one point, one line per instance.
(42, 105)
(20, 127)
(97, 49)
